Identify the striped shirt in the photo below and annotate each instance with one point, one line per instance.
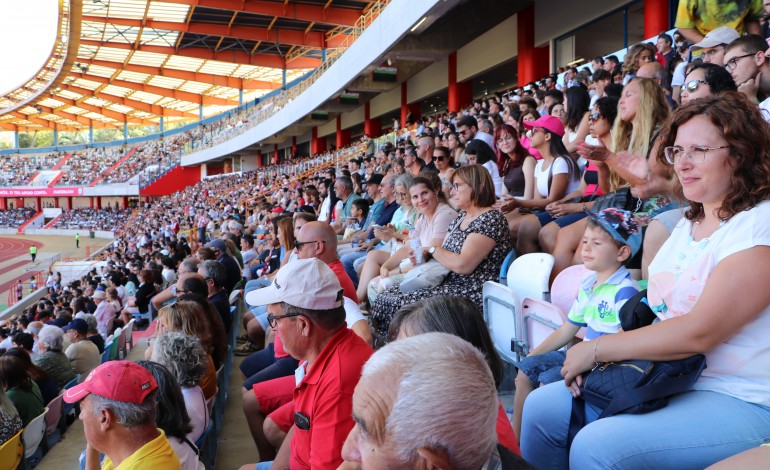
(598, 308)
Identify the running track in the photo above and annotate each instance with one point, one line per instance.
(11, 248)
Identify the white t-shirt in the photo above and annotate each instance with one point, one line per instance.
(739, 366)
(437, 227)
(560, 166)
(497, 180)
(352, 312)
(764, 108)
(678, 77)
(323, 212)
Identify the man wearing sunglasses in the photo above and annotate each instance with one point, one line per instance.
(305, 308)
(747, 62)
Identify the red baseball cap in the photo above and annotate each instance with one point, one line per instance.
(551, 123)
(124, 381)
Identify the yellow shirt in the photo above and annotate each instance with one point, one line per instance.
(155, 454)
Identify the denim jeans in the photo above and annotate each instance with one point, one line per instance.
(695, 430)
(348, 260)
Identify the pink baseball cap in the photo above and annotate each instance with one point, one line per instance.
(551, 123)
(123, 381)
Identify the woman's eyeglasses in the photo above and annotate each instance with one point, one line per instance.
(694, 153)
(693, 85)
(594, 117)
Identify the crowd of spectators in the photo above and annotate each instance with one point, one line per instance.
(110, 220)
(18, 170)
(682, 178)
(13, 218)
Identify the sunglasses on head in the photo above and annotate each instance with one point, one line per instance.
(693, 85)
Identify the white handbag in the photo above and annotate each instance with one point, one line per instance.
(430, 274)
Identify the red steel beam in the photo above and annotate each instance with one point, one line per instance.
(165, 92)
(208, 78)
(138, 105)
(233, 56)
(292, 37)
(293, 11)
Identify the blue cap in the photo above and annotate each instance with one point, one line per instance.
(78, 325)
(621, 225)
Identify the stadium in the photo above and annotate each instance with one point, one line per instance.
(258, 210)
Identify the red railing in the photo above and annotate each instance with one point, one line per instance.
(39, 279)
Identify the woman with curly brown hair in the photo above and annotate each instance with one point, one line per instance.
(707, 288)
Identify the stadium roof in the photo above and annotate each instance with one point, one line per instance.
(133, 61)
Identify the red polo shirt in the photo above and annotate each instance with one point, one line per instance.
(325, 396)
(348, 289)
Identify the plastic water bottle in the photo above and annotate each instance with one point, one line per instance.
(354, 242)
(416, 246)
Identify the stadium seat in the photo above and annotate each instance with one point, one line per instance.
(33, 435)
(67, 407)
(539, 319)
(143, 316)
(114, 345)
(529, 274)
(107, 350)
(221, 399)
(565, 287)
(11, 452)
(504, 268)
(204, 446)
(52, 419)
(129, 328)
(501, 316)
(121, 343)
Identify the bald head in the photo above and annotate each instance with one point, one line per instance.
(324, 238)
(652, 70)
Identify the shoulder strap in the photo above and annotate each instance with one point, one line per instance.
(192, 446)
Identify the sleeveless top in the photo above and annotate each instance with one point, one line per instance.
(514, 180)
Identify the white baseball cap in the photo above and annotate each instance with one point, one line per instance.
(722, 35)
(304, 283)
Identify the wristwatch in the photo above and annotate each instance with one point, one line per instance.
(431, 250)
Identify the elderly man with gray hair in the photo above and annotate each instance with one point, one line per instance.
(50, 343)
(118, 406)
(428, 401)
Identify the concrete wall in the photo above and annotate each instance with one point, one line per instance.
(352, 118)
(69, 233)
(385, 102)
(571, 15)
(430, 80)
(328, 128)
(494, 47)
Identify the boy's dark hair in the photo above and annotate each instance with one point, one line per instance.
(363, 206)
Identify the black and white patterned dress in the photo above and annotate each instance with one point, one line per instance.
(9, 426)
(491, 224)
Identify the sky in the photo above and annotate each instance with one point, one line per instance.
(27, 35)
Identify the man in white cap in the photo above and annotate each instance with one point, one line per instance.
(713, 45)
(305, 308)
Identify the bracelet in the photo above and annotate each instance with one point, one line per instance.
(596, 345)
